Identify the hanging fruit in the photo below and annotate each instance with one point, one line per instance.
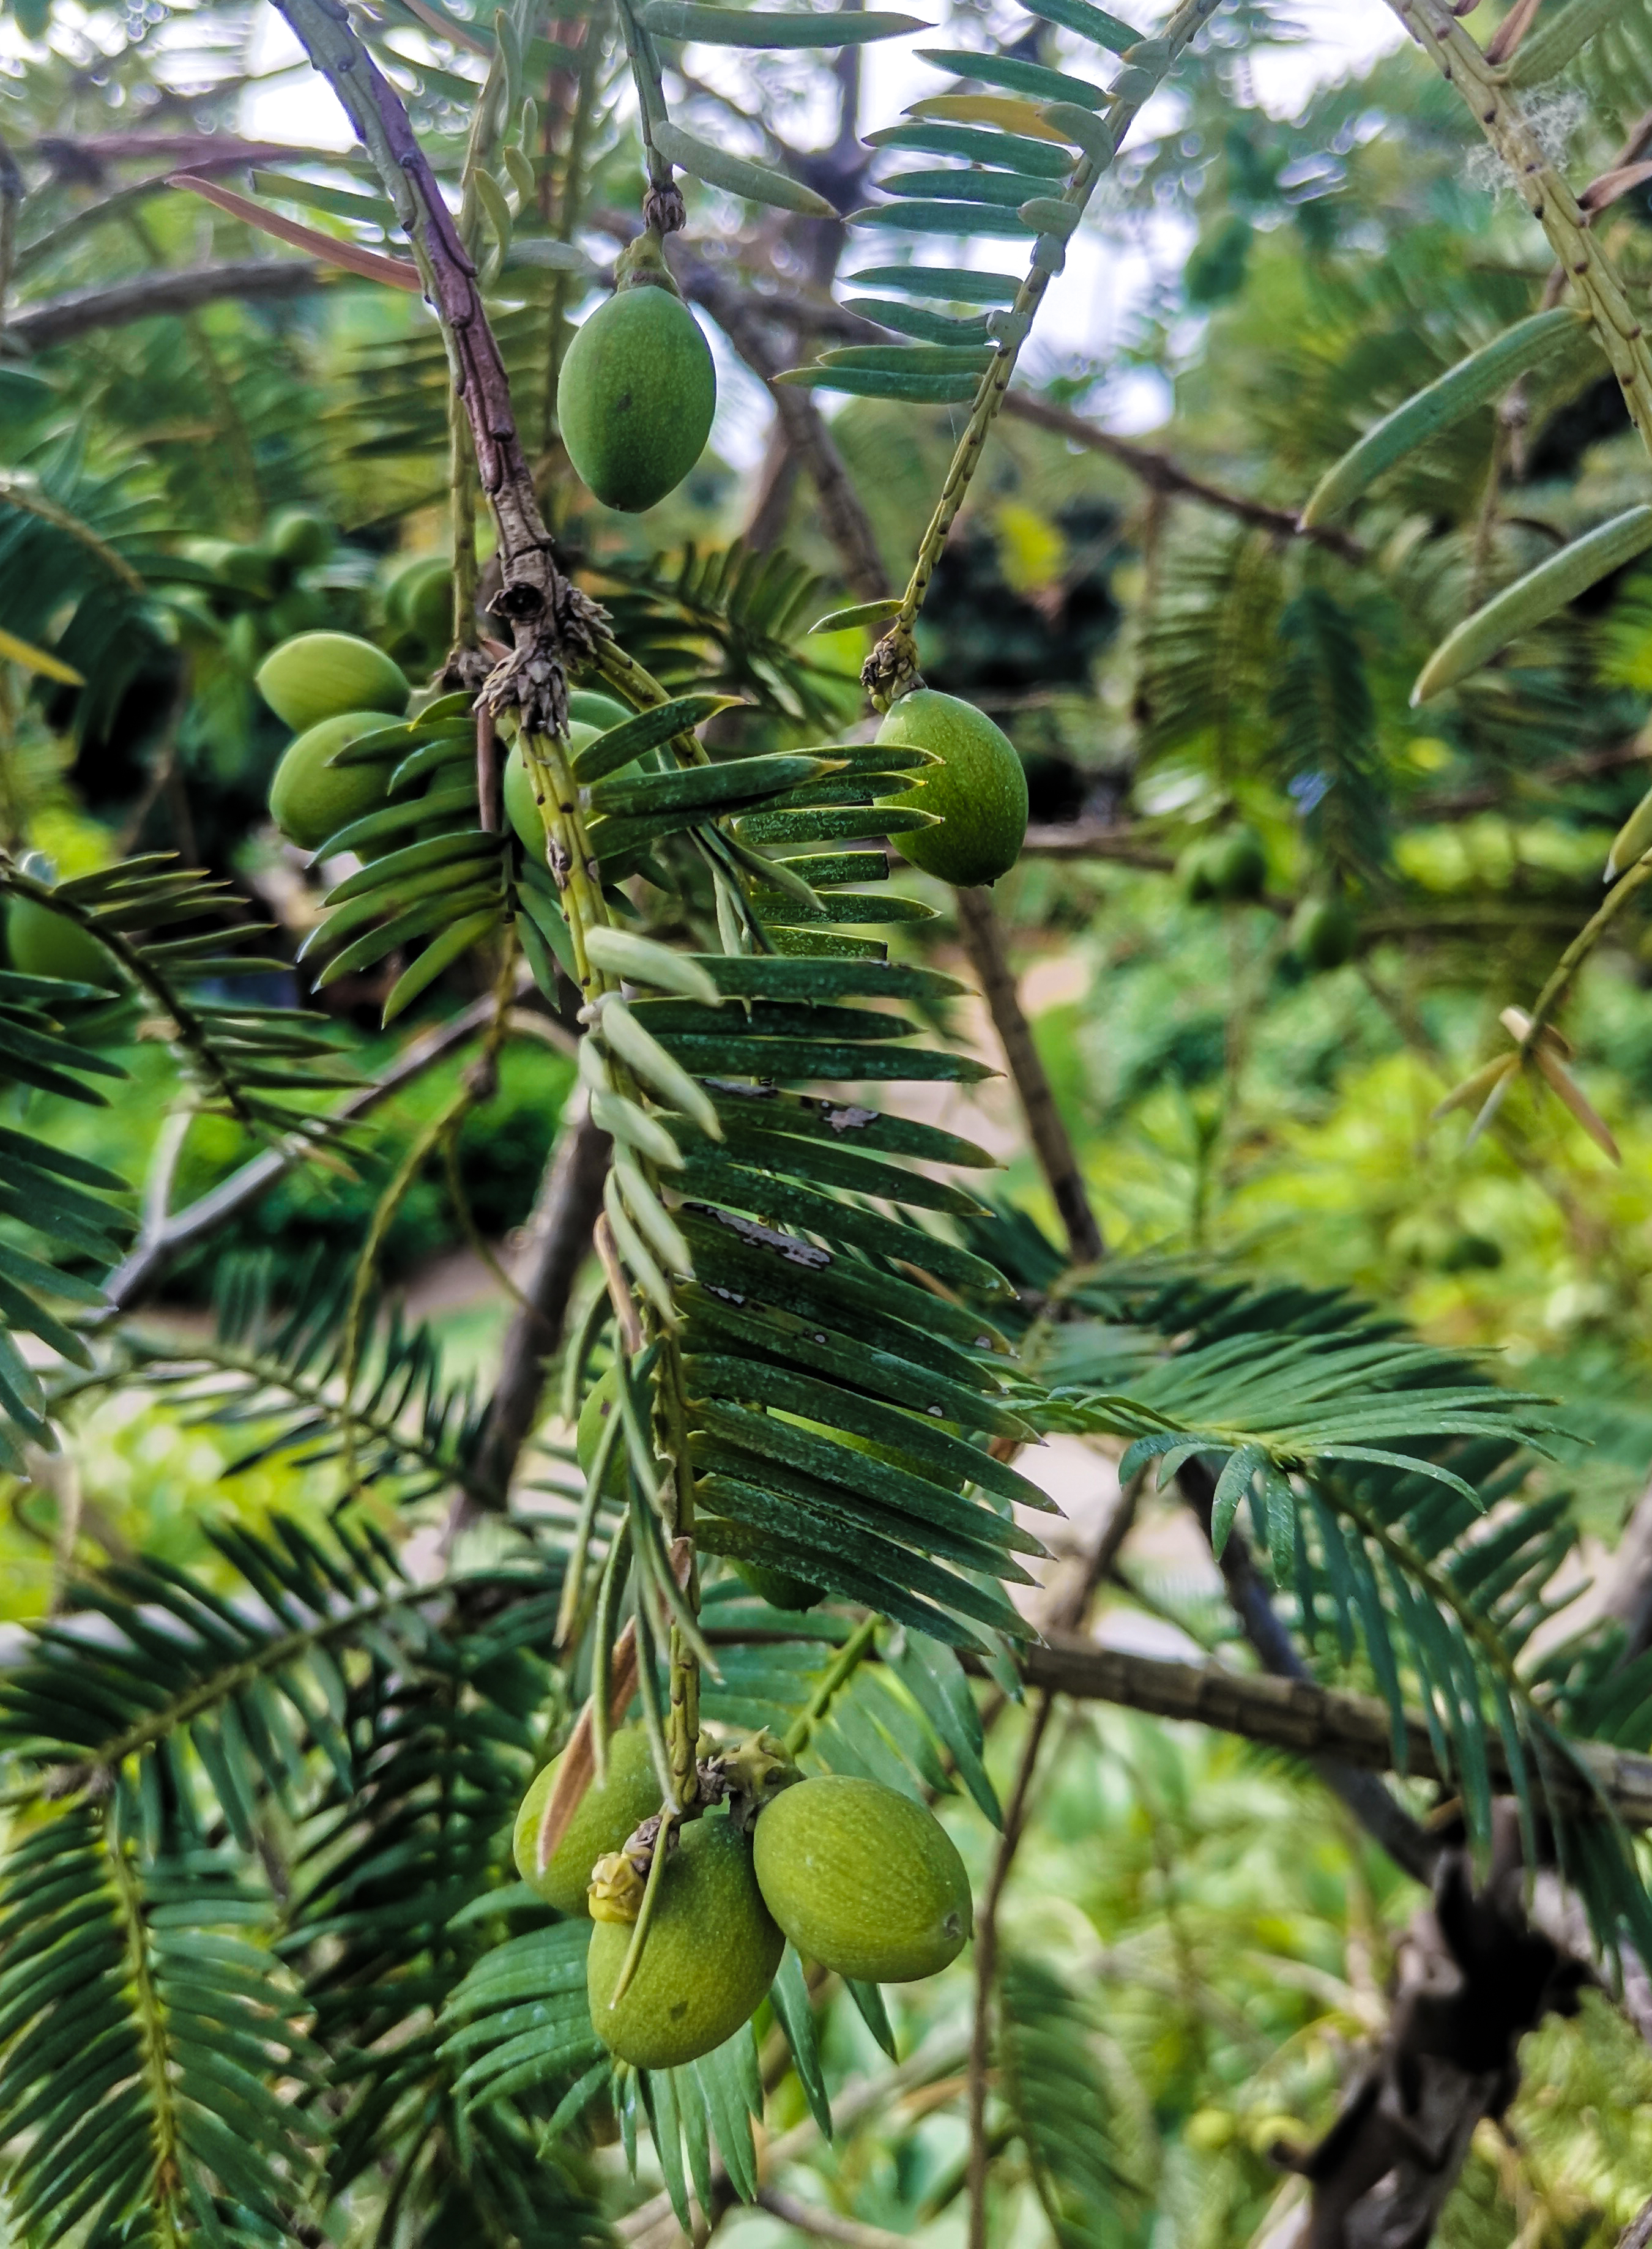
(979, 789)
(638, 389)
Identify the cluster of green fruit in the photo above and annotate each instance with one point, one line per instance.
(863, 1879)
(334, 691)
(266, 574)
(1233, 867)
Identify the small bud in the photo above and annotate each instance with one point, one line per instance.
(616, 1892)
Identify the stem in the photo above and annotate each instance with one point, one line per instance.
(987, 1970)
(1545, 196)
(1566, 969)
(984, 942)
(551, 619)
(891, 668)
(167, 2181)
(858, 1645)
(645, 1913)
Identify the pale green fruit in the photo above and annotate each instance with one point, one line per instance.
(522, 807)
(711, 1954)
(311, 798)
(594, 710)
(320, 675)
(979, 789)
(606, 1815)
(635, 397)
(41, 942)
(778, 1587)
(1322, 933)
(863, 1879)
(300, 537)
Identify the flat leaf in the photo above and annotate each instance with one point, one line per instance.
(771, 27)
(945, 283)
(1016, 76)
(738, 175)
(646, 731)
(1532, 600)
(1483, 375)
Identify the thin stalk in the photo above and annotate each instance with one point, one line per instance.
(1566, 969)
(849, 1656)
(645, 1912)
(987, 1970)
(1599, 290)
(167, 2178)
(892, 667)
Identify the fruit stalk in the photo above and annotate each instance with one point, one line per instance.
(552, 622)
(891, 669)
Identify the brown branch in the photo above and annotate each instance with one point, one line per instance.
(552, 622)
(558, 1238)
(1093, 839)
(1309, 1720)
(1388, 1822)
(153, 296)
(1164, 475)
(986, 1969)
(985, 944)
(131, 1280)
(1638, 2234)
(843, 518)
(825, 2225)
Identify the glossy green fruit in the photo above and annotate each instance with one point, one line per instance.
(863, 1879)
(979, 789)
(1238, 866)
(311, 799)
(321, 674)
(41, 942)
(711, 1954)
(635, 397)
(1193, 873)
(606, 1817)
(592, 710)
(420, 597)
(778, 1587)
(521, 806)
(300, 537)
(1322, 933)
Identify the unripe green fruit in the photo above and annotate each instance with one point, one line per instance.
(711, 1954)
(635, 397)
(251, 569)
(41, 942)
(420, 597)
(1193, 873)
(1238, 866)
(861, 1879)
(979, 789)
(320, 675)
(599, 711)
(1322, 933)
(606, 1815)
(521, 806)
(778, 1587)
(311, 799)
(300, 537)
